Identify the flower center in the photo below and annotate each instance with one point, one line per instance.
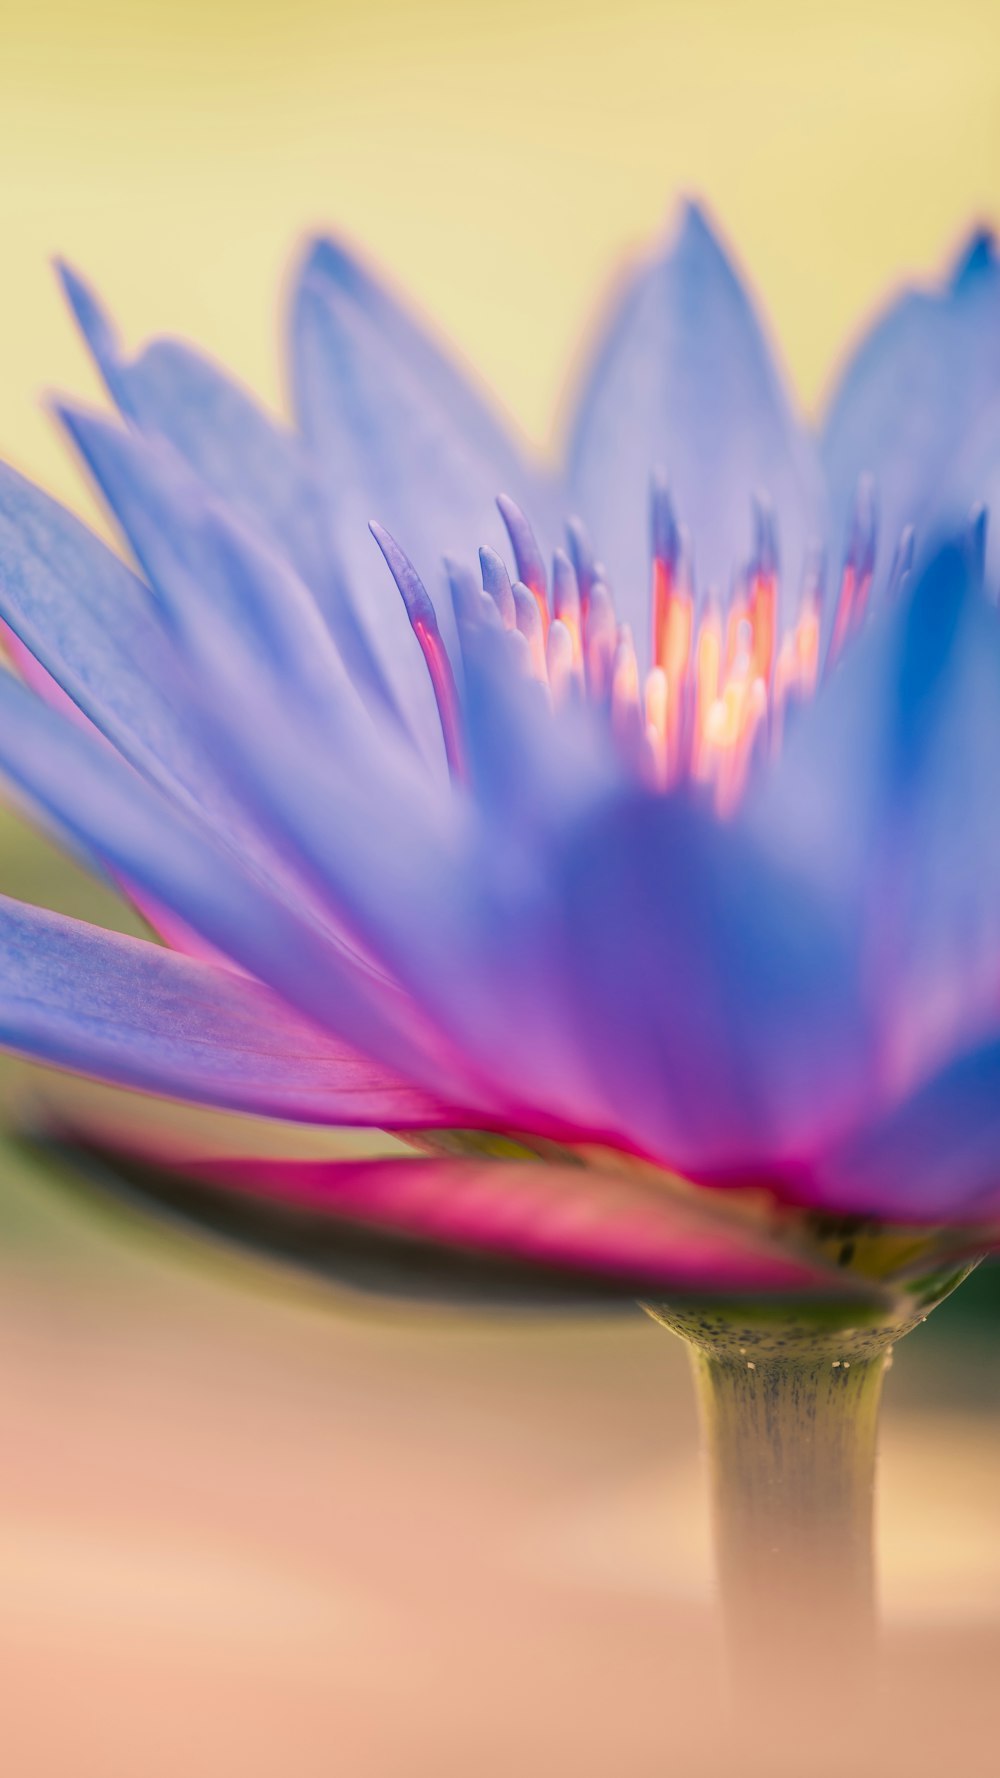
(720, 683)
(718, 686)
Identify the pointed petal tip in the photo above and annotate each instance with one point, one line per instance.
(414, 594)
(765, 528)
(694, 232)
(328, 259)
(493, 569)
(527, 555)
(978, 256)
(84, 425)
(662, 519)
(75, 287)
(74, 418)
(89, 312)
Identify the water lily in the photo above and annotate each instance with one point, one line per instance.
(626, 842)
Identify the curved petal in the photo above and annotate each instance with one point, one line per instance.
(97, 801)
(713, 988)
(179, 534)
(607, 1228)
(91, 624)
(93, 639)
(915, 390)
(348, 285)
(397, 439)
(446, 899)
(885, 792)
(244, 458)
(683, 381)
(971, 485)
(129, 1012)
(932, 1158)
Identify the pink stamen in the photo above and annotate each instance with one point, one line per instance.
(445, 694)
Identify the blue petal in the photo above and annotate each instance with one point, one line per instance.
(970, 489)
(440, 891)
(132, 1013)
(713, 986)
(401, 439)
(92, 625)
(348, 284)
(683, 380)
(932, 1158)
(239, 454)
(209, 571)
(92, 797)
(99, 633)
(886, 793)
(919, 385)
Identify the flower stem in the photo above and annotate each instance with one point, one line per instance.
(791, 1444)
(789, 1397)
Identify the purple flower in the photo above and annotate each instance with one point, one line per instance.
(676, 857)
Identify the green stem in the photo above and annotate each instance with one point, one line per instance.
(789, 1399)
(791, 1444)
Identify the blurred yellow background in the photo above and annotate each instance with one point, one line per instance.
(498, 156)
(246, 1528)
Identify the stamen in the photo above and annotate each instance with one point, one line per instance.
(807, 634)
(585, 566)
(902, 562)
(600, 641)
(527, 555)
(471, 605)
(657, 728)
(859, 563)
(496, 582)
(738, 630)
(745, 721)
(763, 604)
(709, 655)
(559, 660)
(626, 717)
(566, 602)
(424, 623)
(529, 623)
(664, 546)
(671, 612)
(718, 689)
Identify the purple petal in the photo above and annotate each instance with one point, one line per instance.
(912, 396)
(134, 1014)
(206, 567)
(715, 989)
(885, 794)
(97, 802)
(349, 285)
(400, 441)
(240, 455)
(92, 626)
(970, 487)
(683, 379)
(100, 637)
(930, 1159)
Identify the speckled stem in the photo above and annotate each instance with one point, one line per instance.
(789, 1399)
(791, 1444)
